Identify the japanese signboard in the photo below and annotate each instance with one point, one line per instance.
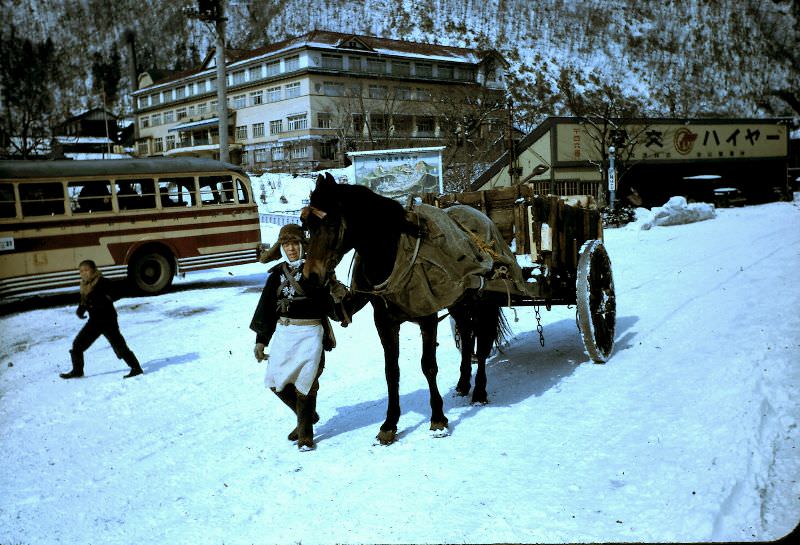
(679, 142)
(398, 173)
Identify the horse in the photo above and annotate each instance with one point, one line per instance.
(342, 217)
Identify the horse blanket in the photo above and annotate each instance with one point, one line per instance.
(459, 244)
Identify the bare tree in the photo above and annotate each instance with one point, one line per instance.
(609, 116)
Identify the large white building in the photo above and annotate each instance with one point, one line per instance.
(300, 103)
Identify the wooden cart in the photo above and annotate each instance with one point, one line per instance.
(558, 242)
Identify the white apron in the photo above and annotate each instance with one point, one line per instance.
(294, 356)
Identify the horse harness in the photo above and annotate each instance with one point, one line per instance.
(289, 289)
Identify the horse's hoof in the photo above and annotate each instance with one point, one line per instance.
(439, 429)
(305, 444)
(461, 391)
(480, 400)
(386, 437)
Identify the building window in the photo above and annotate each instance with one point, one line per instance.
(377, 122)
(376, 66)
(273, 68)
(423, 94)
(238, 77)
(293, 90)
(332, 89)
(212, 108)
(333, 62)
(180, 92)
(277, 153)
(378, 91)
(402, 123)
(401, 68)
(324, 121)
(258, 130)
(202, 108)
(276, 127)
(445, 72)
(260, 155)
(192, 110)
(425, 124)
(155, 120)
(170, 142)
(255, 73)
(404, 93)
(273, 94)
(142, 148)
(145, 121)
(327, 150)
(297, 122)
(240, 101)
(354, 63)
(158, 145)
(155, 99)
(423, 69)
(292, 63)
(299, 152)
(358, 123)
(257, 98)
(241, 132)
(143, 102)
(180, 113)
(466, 74)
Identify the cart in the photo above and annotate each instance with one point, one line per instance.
(558, 242)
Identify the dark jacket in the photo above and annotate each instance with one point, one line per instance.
(315, 303)
(100, 302)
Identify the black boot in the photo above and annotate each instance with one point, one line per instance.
(305, 420)
(289, 397)
(77, 366)
(133, 363)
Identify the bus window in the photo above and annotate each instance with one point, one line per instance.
(7, 208)
(129, 194)
(89, 196)
(241, 192)
(176, 192)
(41, 199)
(216, 189)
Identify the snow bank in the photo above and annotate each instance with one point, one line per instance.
(675, 212)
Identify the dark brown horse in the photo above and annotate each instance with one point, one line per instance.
(344, 217)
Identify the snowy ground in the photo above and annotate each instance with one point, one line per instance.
(688, 433)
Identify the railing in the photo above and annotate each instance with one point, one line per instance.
(279, 219)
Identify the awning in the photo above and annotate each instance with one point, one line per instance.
(195, 125)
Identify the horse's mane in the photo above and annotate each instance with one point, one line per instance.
(376, 215)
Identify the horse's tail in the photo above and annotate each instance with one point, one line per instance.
(502, 329)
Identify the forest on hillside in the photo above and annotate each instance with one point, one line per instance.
(678, 58)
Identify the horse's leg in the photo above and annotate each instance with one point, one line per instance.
(430, 369)
(486, 331)
(389, 334)
(464, 328)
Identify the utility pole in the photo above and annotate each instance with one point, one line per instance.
(213, 11)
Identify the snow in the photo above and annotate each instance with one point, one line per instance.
(675, 212)
(688, 433)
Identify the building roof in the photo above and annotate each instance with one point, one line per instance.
(338, 41)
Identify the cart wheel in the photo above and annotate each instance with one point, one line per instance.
(597, 306)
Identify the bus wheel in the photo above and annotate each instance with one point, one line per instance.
(151, 273)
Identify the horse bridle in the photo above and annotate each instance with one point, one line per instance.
(337, 250)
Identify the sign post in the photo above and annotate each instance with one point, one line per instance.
(612, 177)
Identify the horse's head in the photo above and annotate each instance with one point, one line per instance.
(328, 240)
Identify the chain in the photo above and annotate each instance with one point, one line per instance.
(539, 327)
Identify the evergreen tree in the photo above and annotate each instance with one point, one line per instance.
(29, 74)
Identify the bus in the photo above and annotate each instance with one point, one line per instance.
(142, 219)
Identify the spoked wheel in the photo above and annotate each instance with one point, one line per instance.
(597, 305)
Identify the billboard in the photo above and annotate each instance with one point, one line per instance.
(698, 140)
(398, 173)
